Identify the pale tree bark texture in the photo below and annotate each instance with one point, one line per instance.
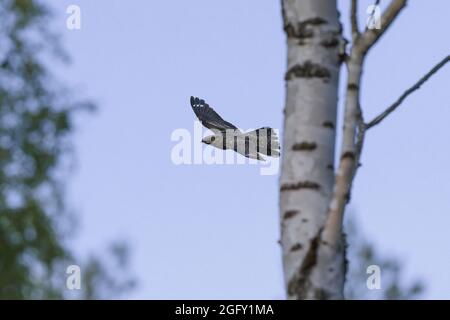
(313, 194)
(314, 39)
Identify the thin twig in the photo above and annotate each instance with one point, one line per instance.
(397, 103)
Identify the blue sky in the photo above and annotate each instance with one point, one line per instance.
(209, 231)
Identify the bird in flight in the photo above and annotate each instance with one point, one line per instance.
(253, 144)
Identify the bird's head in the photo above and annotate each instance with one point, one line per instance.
(209, 139)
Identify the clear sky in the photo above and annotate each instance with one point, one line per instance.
(211, 231)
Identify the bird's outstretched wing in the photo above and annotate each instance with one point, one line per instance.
(208, 117)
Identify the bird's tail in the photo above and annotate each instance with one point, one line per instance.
(266, 141)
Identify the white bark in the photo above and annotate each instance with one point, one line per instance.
(314, 45)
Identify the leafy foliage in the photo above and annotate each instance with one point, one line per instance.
(361, 254)
(36, 120)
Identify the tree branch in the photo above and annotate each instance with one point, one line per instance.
(354, 19)
(370, 36)
(354, 127)
(415, 87)
(352, 140)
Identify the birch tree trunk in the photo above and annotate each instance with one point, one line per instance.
(315, 43)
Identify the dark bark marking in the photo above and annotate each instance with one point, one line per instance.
(330, 43)
(352, 86)
(328, 124)
(300, 185)
(308, 70)
(317, 21)
(349, 155)
(304, 220)
(347, 197)
(296, 247)
(304, 29)
(330, 167)
(299, 284)
(247, 145)
(304, 146)
(321, 294)
(345, 247)
(291, 213)
(290, 30)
